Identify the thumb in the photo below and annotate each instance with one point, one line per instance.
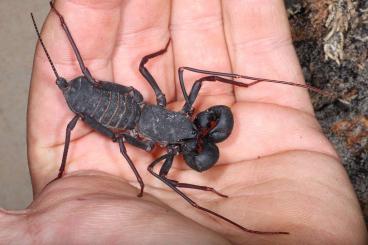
(12, 227)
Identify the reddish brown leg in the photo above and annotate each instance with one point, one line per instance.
(197, 187)
(228, 78)
(131, 164)
(69, 129)
(160, 96)
(170, 184)
(84, 69)
(165, 170)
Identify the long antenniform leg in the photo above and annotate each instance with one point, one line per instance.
(195, 90)
(160, 96)
(174, 186)
(227, 78)
(84, 69)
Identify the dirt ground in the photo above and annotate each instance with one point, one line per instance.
(331, 38)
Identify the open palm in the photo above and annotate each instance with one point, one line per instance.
(280, 172)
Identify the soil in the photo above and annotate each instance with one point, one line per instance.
(331, 39)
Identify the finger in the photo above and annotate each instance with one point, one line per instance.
(260, 45)
(144, 30)
(198, 39)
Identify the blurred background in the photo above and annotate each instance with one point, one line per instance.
(17, 45)
(331, 39)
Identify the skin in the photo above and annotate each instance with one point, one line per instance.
(279, 170)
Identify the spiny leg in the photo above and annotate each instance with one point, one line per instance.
(160, 96)
(84, 69)
(69, 128)
(195, 205)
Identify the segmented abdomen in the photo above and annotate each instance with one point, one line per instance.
(112, 109)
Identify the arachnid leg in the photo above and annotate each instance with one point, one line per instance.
(146, 145)
(69, 128)
(169, 183)
(84, 69)
(165, 168)
(219, 76)
(190, 99)
(131, 164)
(103, 130)
(196, 187)
(160, 96)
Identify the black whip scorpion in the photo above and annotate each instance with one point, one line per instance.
(120, 113)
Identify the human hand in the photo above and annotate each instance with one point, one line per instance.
(277, 167)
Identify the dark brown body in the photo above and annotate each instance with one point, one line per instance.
(116, 110)
(121, 109)
(119, 112)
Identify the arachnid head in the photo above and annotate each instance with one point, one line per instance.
(62, 83)
(214, 126)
